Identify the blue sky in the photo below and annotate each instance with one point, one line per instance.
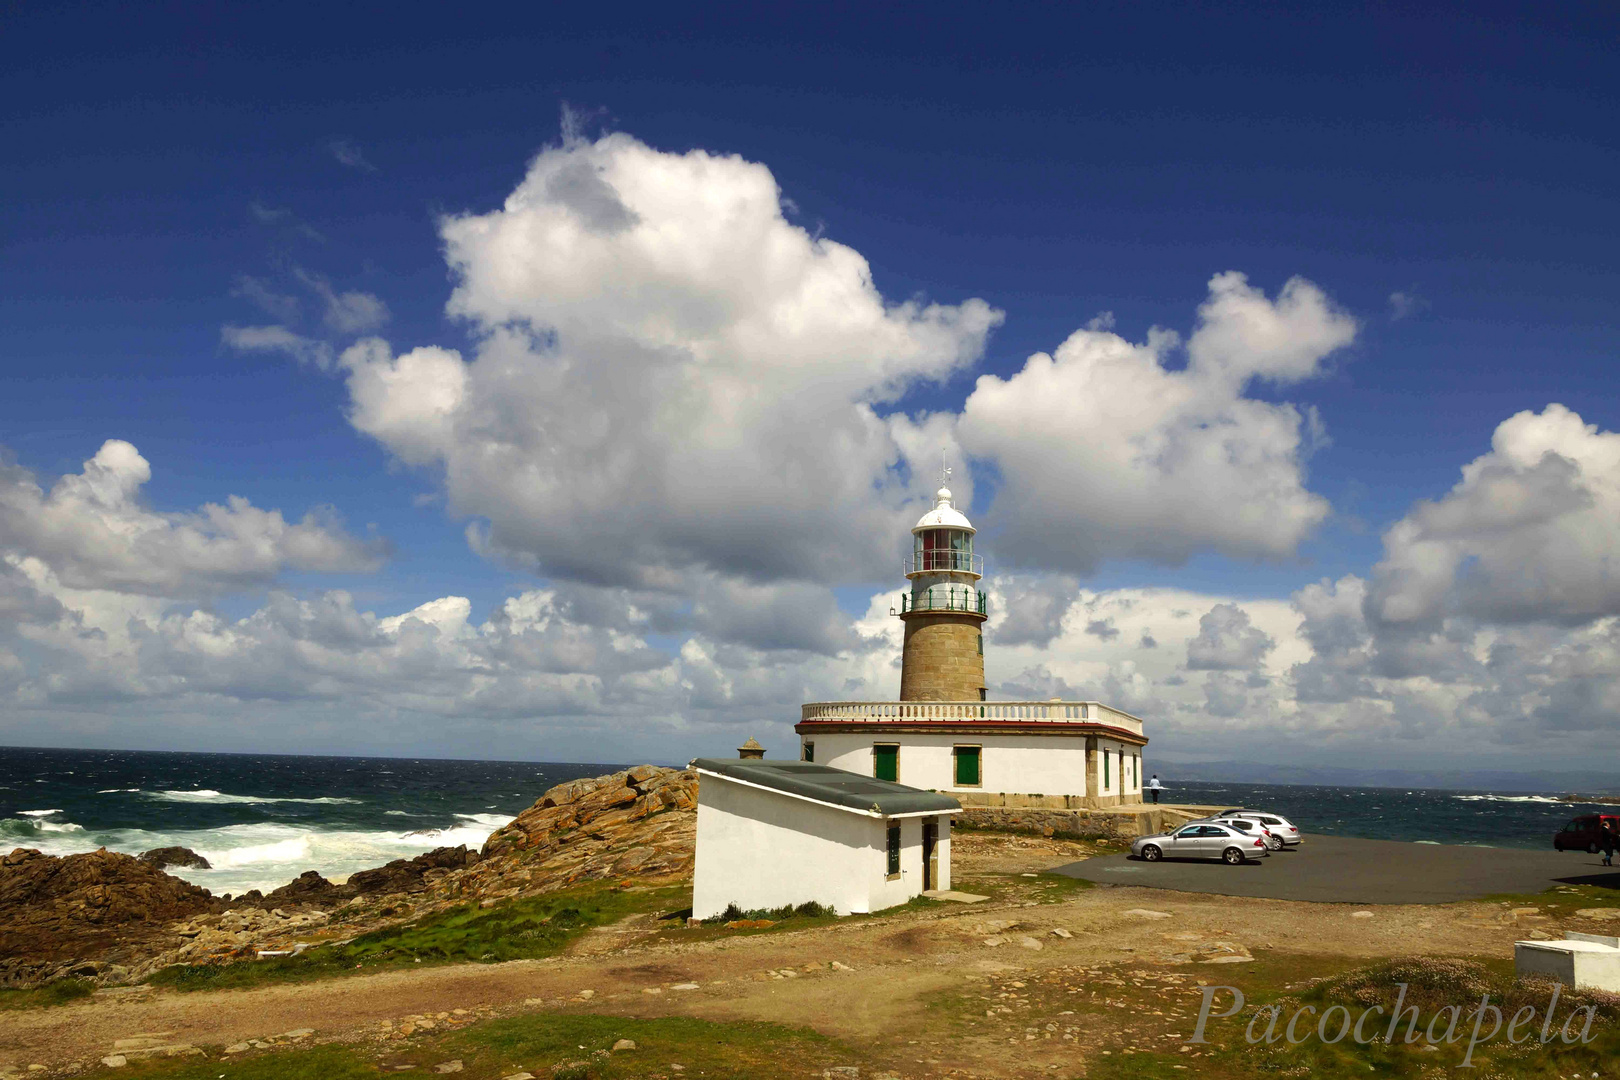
(1446, 182)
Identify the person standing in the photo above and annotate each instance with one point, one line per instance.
(1154, 787)
(1607, 840)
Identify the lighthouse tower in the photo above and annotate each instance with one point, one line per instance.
(944, 611)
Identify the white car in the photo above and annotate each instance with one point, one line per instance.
(1280, 827)
(1250, 826)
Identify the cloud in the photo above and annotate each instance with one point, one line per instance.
(278, 339)
(1227, 641)
(1403, 305)
(670, 378)
(262, 296)
(1527, 534)
(348, 313)
(346, 153)
(284, 218)
(92, 531)
(1105, 451)
(1032, 607)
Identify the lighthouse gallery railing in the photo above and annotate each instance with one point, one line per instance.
(1051, 712)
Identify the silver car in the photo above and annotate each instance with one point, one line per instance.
(1201, 840)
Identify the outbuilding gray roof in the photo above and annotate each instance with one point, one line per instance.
(825, 784)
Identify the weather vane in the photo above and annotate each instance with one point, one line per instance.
(944, 471)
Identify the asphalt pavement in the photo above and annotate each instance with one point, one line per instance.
(1346, 870)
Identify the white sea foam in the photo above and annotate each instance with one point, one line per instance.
(1511, 798)
(38, 813)
(262, 855)
(208, 795)
(118, 790)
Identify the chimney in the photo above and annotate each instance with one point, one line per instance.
(750, 749)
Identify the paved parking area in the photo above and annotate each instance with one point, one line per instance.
(1346, 870)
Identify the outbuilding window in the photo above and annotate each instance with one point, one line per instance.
(809, 752)
(894, 851)
(1105, 770)
(966, 759)
(886, 761)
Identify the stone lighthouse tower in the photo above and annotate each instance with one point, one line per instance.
(944, 612)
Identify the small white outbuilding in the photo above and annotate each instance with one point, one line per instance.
(784, 833)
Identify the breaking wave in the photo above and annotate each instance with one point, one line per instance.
(207, 795)
(263, 855)
(1511, 798)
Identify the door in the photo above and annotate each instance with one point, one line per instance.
(930, 854)
(886, 761)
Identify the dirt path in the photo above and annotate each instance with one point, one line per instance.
(894, 963)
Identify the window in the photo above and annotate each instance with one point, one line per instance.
(967, 765)
(809, 753)
(894, 851)
(981, 643)
(886, 761)
(1105, 770)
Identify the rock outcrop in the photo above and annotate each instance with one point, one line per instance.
(81, 914)
(116, 917)
(165, 857)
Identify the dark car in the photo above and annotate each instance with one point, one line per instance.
(1585, 833)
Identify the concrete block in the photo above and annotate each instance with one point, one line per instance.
(1581, 961)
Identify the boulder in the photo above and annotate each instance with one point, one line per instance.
(599, 807)
(165, 857)
(409, 875)
(72, 915)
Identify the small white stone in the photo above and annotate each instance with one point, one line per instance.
(684, 986)
(115, 1061)
(447, 1067)
(1361, 915)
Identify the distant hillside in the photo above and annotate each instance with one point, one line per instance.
(1247, 772)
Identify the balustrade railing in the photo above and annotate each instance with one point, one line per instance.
(947, 598)
(1039, 712)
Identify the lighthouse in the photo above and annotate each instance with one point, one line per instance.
(942, 734)
(944, 610)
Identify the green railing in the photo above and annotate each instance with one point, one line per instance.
(971, 601)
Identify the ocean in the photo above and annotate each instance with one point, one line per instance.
(261, 820)
(1418, 815)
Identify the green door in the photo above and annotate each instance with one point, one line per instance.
(967, 766)
(886, 761)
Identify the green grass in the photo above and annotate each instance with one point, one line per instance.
(516, 930)
(540, 1043)
(59, 992)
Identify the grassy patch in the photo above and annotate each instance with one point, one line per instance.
(316, 1063)
(1561, 901)
(59, 992)
(517, 930)
(539, 1044)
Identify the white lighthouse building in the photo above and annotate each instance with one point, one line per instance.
(943, 734)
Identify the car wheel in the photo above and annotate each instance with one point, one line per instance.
(1273, 843)
(1592, 848)
(1152, 854)
(1232, 855)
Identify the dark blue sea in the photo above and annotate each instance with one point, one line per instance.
(262, 820)
(1418, 815)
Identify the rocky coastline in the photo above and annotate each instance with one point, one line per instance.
(115, 919)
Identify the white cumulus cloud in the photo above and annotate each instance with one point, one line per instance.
(1107, 451)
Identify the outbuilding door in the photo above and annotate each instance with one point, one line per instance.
(930, 856)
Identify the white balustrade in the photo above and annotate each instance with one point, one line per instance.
(1038, 712)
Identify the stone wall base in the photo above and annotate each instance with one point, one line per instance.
(1014, 801)
(1080, 823)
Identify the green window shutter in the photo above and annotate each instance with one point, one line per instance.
(894, 850)
(1105, 770)
(886, 762)
(967, 766)
(809, 751)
